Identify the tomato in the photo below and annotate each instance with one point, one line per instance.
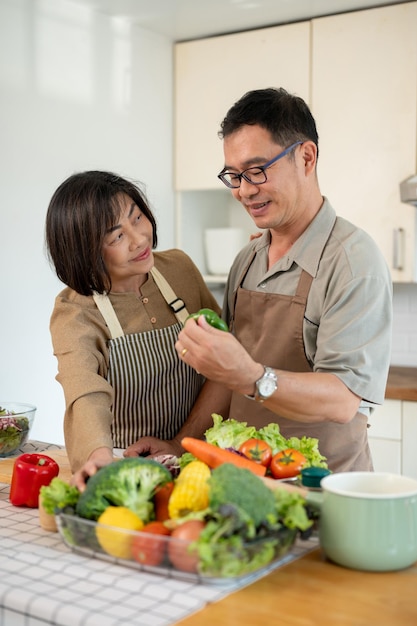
(161, 499)
(287, 463)
(257, 450)
(179, 552)
(150, 550)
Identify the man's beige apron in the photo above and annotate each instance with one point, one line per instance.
(270, 327)
(154, 390)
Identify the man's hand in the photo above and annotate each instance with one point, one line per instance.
(218, 356)
(152, 446)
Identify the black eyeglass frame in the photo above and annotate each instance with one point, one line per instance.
(259, 168)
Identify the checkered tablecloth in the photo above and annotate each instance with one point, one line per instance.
(43, 582)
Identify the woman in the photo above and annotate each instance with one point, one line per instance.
(115, 325)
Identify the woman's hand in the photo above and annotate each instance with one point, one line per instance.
(97, 459)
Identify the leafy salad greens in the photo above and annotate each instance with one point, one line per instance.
(248, 525)
(230, 433)
(14, 431)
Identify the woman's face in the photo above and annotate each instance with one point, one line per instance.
(127, 248)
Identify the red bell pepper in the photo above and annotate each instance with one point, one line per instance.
(30, 473)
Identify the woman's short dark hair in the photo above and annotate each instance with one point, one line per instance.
(81, 211)
(285, 116)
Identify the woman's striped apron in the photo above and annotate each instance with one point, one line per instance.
(154, 390)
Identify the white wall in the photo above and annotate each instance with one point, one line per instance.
(76, 92)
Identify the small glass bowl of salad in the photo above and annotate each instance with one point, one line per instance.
(16, 421)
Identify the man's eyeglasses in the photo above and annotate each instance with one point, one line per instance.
(253, 175)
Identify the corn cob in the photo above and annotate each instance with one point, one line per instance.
(191, 491)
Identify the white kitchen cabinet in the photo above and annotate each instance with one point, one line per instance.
(409, 443)
(385, 434)
(210, 76)
(393, 437)
(364, 99)
(386, 455)
(358, 72)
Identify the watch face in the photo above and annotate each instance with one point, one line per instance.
(266, 387)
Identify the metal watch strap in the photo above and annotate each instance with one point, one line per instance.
(268, 373)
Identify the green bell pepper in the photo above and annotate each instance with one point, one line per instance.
(212, 318)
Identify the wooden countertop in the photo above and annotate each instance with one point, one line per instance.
(57, 453)
(402, 383)
(312, 592)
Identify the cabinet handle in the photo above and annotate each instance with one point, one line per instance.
(398, 249)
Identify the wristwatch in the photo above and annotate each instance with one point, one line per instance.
(265, 386)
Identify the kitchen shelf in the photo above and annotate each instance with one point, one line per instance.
(215, 279)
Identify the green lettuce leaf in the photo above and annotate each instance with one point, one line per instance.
(309, 446)
(291, 509)
(273, 437)
(228, 433)
(230, 556)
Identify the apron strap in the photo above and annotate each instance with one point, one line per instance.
(239, 282)
(106, 309)
(177, 305)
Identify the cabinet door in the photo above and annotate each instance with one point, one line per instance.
(409, 444)
(211, 74)
(364, 98)
(385, 435)
(385, 421)
(386, 455)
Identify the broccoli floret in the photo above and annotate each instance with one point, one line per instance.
(58, 495)
(129, 482)
(232, 485)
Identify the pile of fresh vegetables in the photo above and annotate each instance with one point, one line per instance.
(221, 522)
(270, 452)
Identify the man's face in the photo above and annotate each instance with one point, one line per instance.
(277, 203)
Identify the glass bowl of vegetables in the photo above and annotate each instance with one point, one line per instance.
(206, 525)
(16, 421)
(181, 553)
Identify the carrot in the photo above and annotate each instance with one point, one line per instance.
(214, 456)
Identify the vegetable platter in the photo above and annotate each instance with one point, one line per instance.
(266, 452)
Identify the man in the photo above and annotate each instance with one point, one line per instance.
(309, 302)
